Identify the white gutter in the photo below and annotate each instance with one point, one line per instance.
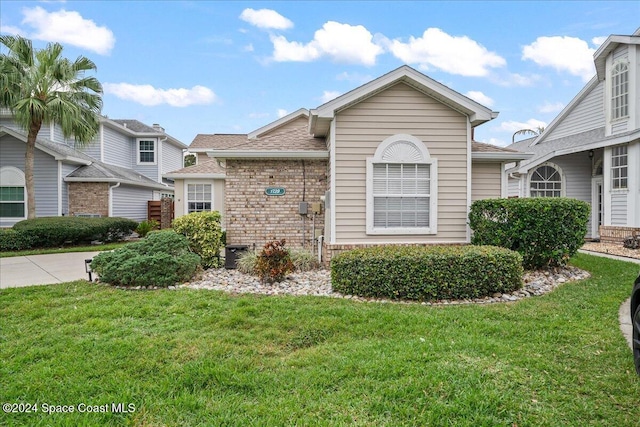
(500, 156)
(111, 198)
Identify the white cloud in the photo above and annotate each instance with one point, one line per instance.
(266, 18)
(551, 107)
(70, 28)
(514, 126)
(329, 95)
(340, 42)
(568, 54)
(150, 96)
(282, 112)
(597, 41)
(496, 141)
(454, 54)
(480, 97)
(10, 29)
(248, 48)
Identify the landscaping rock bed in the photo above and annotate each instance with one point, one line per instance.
(318, 283)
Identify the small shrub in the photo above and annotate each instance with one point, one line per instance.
(146, 226)
(204, 233)
(632, 242)
(274, 262)
(162, 259)
(304, 260)
(48, 232)
(426, 273)
(246, 262)
(545, 231)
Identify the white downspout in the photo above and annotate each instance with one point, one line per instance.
(111, 187)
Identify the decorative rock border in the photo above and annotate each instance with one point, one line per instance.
(318, 283)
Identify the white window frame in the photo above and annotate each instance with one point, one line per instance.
(11, 176)
(407, 150)
(619, 91)
(154, 151)
(620, 152)
(203, 200)
(560, 173)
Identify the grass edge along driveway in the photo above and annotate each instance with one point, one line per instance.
(200, 358)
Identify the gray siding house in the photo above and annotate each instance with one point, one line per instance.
(114, 175)
(591, 151)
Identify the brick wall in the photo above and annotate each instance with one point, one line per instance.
(89, 197)
(255, 218)
(613, 234)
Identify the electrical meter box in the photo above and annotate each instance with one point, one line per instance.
(303, 208)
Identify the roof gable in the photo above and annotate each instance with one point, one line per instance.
(302, 113)
(320, 118)
(612, 42)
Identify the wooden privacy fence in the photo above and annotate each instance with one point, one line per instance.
(161, 211)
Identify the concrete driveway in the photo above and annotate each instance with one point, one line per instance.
(43, 269)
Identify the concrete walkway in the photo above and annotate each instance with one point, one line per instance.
(43, 269)
(624, 314)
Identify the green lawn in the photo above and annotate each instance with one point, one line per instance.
(190, 358)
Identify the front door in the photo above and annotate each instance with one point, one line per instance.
(597, 205)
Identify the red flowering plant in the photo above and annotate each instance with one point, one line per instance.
(274, 262)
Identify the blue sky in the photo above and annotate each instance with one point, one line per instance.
(232, 67)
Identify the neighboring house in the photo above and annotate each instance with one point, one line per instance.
(392, 161)
(114, 175)
(591, 151)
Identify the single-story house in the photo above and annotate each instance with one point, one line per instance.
(392, 161)
(591, 151)
(114, 175)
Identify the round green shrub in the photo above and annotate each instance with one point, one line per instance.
(426, 273)
(204, 232)
(545, 231)
(162, 259)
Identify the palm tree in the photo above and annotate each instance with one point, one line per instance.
(39, 86)
(533, 132)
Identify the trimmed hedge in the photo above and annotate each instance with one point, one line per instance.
(49, 232)
(162, 259)
(545, 231)
(205, 235)
(426, 273)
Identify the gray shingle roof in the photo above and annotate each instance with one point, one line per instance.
(98, 171)
(481, 147)
(206, 167)
(297, 138)
(136, 126)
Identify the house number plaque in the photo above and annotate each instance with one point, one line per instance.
(274, 191)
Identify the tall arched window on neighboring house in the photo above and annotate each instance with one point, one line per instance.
(13, 194)
(546, 181)
(402, 188)
(619, 91)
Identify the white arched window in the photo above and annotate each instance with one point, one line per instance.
(619, 91)
(402, 188)
(13, 194)
(546, 181)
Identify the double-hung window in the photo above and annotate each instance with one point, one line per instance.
(13, 194)
(619, 167)
(199, 197)
(619, 91)
(146, 151)
(401, 188)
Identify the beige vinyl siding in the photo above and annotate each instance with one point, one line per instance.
(486, 181)
(362, 127)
